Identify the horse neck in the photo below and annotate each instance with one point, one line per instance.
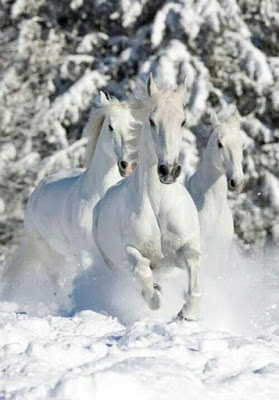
(210, 179)
(148, 182)
(101, 173)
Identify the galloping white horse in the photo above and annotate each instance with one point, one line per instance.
(149, 221)
(220, 169)
(58, 219)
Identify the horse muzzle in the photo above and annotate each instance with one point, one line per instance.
(126, 168)
(236, 185)
(169, 173)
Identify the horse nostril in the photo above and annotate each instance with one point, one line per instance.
(232, 183)
(123, 164)
(163, 170)
(176, 171)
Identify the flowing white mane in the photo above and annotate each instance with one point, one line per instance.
(92, 131)
(95, 123)
(228, 117)
(140, 100)
(132, 140)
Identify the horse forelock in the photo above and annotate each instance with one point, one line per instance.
(228, 128)
(166, 96)
(227, 123)
(113, 109)
(132, 129)
(229, 118)
(165, 93)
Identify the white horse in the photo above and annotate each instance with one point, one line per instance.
(58, 218)
(149, 221)
(220, 169)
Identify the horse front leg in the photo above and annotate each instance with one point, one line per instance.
(189, 256)
(144, 275)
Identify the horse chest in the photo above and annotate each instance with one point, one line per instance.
(148, 240)
(152, 250)
(171, 242)
(162, 242)
(216, 212)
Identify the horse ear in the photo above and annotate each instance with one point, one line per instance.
(103, 99)
(235, 117)
(151, 86)
(181, 90)
(214, 119)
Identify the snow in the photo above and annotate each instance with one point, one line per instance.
(55, 59)
(254, 61)
(112, 346)
(132, 9)
(80, 93)
(2, 206)
(93, 356)
(61, 159)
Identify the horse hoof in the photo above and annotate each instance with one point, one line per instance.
(157, 287)
(190, 317)
(155, 301)
(191, 309)
(188, 314)
(180, 315)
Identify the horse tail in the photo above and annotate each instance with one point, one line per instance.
(20, 265)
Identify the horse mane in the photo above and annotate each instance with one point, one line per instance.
(229, 115)
(132, 141)
(92, 131)
(94, 126)
(227, 120)
(140, 101)
(133, 133)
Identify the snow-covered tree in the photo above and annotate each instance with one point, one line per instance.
(56, 55)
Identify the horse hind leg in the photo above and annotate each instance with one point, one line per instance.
(144, 275)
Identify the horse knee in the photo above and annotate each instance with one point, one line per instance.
(136, 259)
(141, 269)
(189, 256)
(144, 273)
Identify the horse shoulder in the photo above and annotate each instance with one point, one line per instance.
(193, 187)
(178, 198)
(180, 213)
(109, 208)
(134, 218)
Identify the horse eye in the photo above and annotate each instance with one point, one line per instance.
(152, 123)
(110, 127)
(183, 123)
(220, 145)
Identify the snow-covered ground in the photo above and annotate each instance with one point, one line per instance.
(92, 356)
(231, 353)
